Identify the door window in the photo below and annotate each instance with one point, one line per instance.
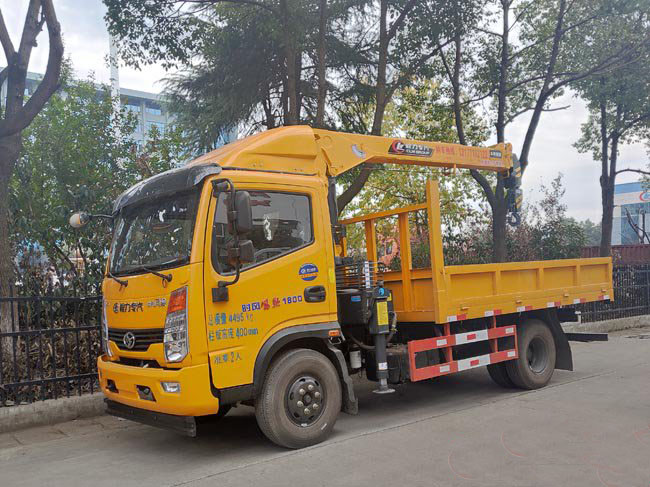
(281, 224)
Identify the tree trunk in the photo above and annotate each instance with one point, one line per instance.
(380, 107)
(499, 207)
(546, 90)
(607, 193)
(290, 62)
(380, 89)
(607, 183)
(322, 82)
(499, 213)
(503, 73)
(9, 152)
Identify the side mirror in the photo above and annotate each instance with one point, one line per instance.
(246, 252)
(243, 253)
(79, 219)
(244, 212)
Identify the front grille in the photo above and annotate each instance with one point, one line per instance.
(143, 337)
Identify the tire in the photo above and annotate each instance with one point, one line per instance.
(299, 375)
(536, 362)
(499, 374)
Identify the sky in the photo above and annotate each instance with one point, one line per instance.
(86, 44)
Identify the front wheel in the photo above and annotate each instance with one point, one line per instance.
(536, 362)
(300, 399)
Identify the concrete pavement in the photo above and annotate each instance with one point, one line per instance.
(588, 427)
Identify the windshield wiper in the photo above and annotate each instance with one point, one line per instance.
(164, 277)
(121, 282)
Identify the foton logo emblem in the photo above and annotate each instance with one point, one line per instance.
(129, 340)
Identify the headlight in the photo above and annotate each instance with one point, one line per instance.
(175, 341)
(105, 345)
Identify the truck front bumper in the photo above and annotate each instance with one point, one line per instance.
(185, 425)
(128, 385)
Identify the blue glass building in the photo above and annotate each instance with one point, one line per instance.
(631, 199)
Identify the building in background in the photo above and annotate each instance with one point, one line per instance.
(149, 109)
(631, 214)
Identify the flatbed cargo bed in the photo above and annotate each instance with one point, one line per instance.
(443, 294)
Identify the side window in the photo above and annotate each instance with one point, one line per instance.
(281, 224)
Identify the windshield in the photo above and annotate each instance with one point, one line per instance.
(155, 234)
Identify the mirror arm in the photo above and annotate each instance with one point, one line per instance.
(220, 293)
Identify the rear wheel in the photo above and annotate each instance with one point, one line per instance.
(300, 399)
(499, 374)
(536, 362)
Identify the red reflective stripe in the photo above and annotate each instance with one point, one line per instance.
(450, 340)
(451, 367)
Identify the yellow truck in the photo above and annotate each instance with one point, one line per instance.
(228, 282)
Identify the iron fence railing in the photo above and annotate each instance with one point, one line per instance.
(631, 295)
(48, 347)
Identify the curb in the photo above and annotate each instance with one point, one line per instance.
(49, 412)
(608, 325)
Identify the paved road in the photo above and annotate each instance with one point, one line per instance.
(590, 427)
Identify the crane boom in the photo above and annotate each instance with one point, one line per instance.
(343, 151)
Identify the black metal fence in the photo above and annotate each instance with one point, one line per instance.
(631, 295)
(48, 347)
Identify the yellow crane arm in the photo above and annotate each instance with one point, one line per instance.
(343, 151)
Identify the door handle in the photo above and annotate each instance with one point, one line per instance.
(315, 294)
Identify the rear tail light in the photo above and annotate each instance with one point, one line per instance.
(175, 340)
(105, 345)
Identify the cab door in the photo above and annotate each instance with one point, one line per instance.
(288, 283)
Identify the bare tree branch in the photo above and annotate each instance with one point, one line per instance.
(5, 40)
(485, 184)
(50, 82)
(638, 171)
(488, 32)
(353, 189)
(527, 109)
(30, 32)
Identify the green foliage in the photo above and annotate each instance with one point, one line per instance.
(591, 231)
(545, 233)
(420, 112)
(153, 31)
(78, 155)
(241, 71)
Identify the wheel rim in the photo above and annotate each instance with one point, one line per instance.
(305, 400)
(537, 355)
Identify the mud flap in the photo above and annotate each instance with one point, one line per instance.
(350, 402)
(564, 357)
